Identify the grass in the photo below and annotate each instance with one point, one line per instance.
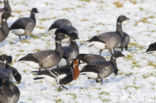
(72, 94)
(118, 4)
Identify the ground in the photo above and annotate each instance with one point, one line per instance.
(135, 82)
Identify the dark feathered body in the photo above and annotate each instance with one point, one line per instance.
(60, 22)
(9, 70)
(89, 58)
(151, 47)
(9, 93)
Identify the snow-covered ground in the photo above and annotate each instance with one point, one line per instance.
(137, 71)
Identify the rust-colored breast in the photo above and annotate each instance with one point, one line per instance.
(76, 72)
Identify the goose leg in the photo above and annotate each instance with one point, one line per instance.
(101, 81)
(26, 37)
(64, 87)
(20, 37)
(126, 47)
(110, 51)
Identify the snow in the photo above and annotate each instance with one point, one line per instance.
(135, 82)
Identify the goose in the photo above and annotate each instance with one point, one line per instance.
(64, 74)
(7, 7)
(152, 48)
(70, 52)
(103, 68)
(69, 30)
(8, 69)
(5, 58)
(45, 59)
(9, 93)
(89, 58)
(4, 30)
(125, 42)
(25, 25)
(111, 39)
(58, 23)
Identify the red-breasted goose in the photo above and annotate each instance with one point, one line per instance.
(25, 25)
(64, 74)
(103, 68)
(112, 39)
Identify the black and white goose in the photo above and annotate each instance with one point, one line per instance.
(25, 25)
(64, 75)
(7, 69)
(152, 48)
(103, 68)
(9, 93)
(58, 23)
(4, 30)
(112, 39)
(45, 59)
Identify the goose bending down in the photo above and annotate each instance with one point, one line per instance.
(4, 30)
(6, 7)
(112, 39)
(152, 48)
(70, 52)
(46, 59)
(58, 23)
(25, 25)
(89, 58)
(9, 93)
(8, 70)
(103, 68)
(69, 30)
(64, 74)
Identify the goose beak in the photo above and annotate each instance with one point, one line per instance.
(127, 18)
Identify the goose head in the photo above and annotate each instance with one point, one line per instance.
(34, 10)
(122, 18)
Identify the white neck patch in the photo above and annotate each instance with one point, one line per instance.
(58, 42)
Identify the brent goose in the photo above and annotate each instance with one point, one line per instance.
(5, 58)
(70, 52)
(152, 48)
(58, 23)
(46, 59)
(6, 7)
(64, 75)
(25, 25)
(103, 68)
(89, 58)
(9, 93)
(4, 30)
(125, 41)
(8, 69)
(111, 39)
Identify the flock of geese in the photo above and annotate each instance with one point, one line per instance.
(46, 61)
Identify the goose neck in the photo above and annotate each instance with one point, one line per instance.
(119, 28)
(59, 49)
(5, 26)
